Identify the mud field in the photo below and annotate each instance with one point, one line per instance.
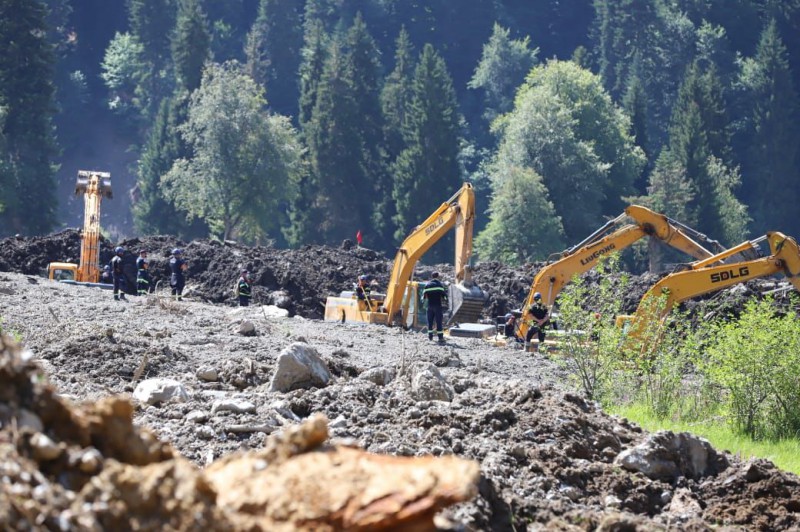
(547, 458)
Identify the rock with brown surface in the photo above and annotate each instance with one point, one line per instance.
(339, 488)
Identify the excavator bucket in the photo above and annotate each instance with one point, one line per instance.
(84, 182)
(466, 303)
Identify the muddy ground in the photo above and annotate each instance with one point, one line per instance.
(549, 459)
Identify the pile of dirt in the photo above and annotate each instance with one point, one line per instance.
(549, 459)
(66, 467)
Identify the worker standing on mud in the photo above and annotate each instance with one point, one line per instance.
(142, 275)
(244, 289)
(105, 277)
(540, 319)
(435, 295)
(117, 273)
(177, 267)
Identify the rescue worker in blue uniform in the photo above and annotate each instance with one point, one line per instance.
(142, 274)
(244, 289)
(177, 267)
(117, 273)
(435, 295)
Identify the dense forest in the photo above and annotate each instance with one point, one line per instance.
(292, 122)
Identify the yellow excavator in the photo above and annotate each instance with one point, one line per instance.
(94, 186)
(582, 257)
(706, 276)
(401, 303)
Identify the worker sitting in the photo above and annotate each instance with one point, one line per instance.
(539, 319)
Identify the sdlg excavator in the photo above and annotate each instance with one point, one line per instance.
(401, 304)
(706, 276)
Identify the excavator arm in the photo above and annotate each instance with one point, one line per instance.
(705, 277)
(466, 299)
(94, 186)
(457, 212)
(585, 255)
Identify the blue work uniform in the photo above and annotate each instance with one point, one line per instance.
(436, 295)
(177, 280)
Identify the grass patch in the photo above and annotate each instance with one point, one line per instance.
(785, 453)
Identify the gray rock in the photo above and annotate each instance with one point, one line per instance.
(428, 384)
(197, 416)
(247, 328)
(380, 376)
(44, 448)
(667, 456)
(207, 374)
(299, 366)
(237, 406)
(154, 391)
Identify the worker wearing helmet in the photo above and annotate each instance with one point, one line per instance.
(539, 319)
(117, 274)
(105, 277)
(244, 289)
(435, 295)
(142, 273)
(177, 267)
(510, 326)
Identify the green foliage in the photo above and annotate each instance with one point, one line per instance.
(566, 128)
(245, 162)
(771, 134)
(190, 44)
(586, 316)
(153, 212)
(503, 66)
(123, 72)
(521, 201)
(755, 359)
(273, 52)
(427, 171)
(27, 172)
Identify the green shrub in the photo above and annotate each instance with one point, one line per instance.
(755, 360)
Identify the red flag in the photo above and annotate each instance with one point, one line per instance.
(359, 239)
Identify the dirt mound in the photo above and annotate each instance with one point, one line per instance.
(65, 467)
(300, 280)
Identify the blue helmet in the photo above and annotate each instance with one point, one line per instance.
(537, 296)
(119, 249)
(177, 251)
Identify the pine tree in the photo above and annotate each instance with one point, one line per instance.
(698, 139)
(152, 22)
(773, 135)
(334, 146)
(152, 212)
(190, 44)
(427, 172)
(363, 71)
(315, 51)
(273, 52)
(26, 93)
(396, 97)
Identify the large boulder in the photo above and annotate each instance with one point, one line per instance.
(299, 366)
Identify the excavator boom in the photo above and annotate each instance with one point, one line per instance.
(94, 186)
(705, 277)
(457, 212)
(550, 280)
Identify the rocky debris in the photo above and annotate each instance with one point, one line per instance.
(157, 391)
(299, 366)
(90, 468)
(668, 456)
(427, 384)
